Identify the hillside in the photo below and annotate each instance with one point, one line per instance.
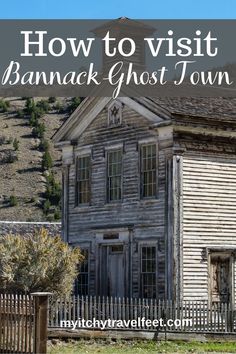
(23, 181)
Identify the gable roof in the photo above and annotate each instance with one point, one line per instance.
(158, 110)
(89, 109)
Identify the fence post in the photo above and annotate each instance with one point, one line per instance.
(40, 321)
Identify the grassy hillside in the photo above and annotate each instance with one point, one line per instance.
(28, 190)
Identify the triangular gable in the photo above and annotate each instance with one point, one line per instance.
(90, 108)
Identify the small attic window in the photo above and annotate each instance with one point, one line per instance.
(114, 114)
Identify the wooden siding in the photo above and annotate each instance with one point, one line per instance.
(145, 219)
(209, 217)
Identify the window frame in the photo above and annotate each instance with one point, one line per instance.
(76, 284)
(81, 156)
(141, 287)
(110, 107)
(109, 151)
(141, 189)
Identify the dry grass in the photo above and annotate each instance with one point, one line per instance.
(138, 347)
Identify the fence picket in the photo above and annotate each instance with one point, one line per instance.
(206, 317)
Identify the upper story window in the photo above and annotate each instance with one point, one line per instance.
(83, 180)
(148, 271)
(114, 114)
(148, 170)
(114, 175)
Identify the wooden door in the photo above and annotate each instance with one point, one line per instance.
(220, 278)
(112, 276)
(116, 271)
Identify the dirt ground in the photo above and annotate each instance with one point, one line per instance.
(23, 178)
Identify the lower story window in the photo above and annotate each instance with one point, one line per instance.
(82, 281)
(148, 271)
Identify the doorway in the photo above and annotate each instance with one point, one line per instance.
(220, 282)
(112, 270)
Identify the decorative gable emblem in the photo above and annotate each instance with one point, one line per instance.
(114, 114)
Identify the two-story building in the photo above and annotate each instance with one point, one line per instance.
(149, 194)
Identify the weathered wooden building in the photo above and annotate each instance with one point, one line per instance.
(149, 194)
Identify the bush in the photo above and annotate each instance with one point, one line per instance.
(13, 201)
(20, 113)
(39, 130)
(59, 107)
(53, 190)
(46, 161)
(16, 144)
(33, 121)
(35, 114)
(10, 156)
(46, 206)
(51, 99)
(53, 197)
(4, 105)
(29, 106)
(35, 111)
(43, 105)
(57, 214)
(75, 102)
(44, 145)
(38, 262)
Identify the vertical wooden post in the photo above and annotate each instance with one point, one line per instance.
(40, 322)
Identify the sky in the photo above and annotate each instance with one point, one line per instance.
(110, 9)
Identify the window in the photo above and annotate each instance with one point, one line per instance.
(148, 271)
(114, 175)
(83, 180)
(114, 115)
(82, 281)
(148, 171)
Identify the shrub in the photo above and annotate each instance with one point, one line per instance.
(38, 131)
(57, 214)
(10, 156)
(35, 110)
(75, 102)
(4, 105)
(46, 206)
(29, 106)
(20, 113)
(16, 144)
(53, 197)
(44, 145)
(33, 119)
(46, 161)
(53, 190)
(13, 201)
(43, 105)
(38, 262)
(59, 107)
(51, 99)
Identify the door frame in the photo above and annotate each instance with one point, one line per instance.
(107, 248)
(231, 255)
(123, 238)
